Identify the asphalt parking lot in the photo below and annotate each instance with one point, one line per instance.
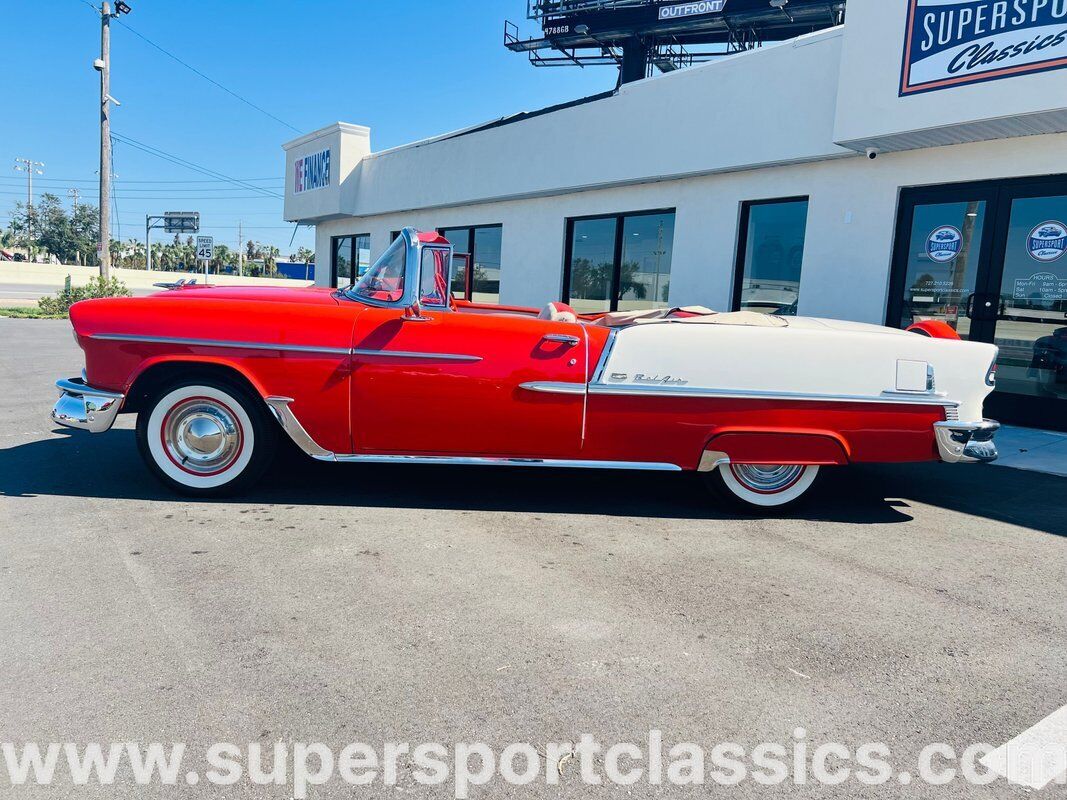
(339, 603)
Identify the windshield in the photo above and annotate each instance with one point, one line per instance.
(384, 281)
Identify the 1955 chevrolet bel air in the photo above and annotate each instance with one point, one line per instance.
(394, 369)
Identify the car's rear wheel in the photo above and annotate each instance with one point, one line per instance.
(205, 437)
(762, 486)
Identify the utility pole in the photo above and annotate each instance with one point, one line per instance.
(30, 168)
(240, 248)
(74, 194)
(103, 65)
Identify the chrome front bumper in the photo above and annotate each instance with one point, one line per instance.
(966, 442)
(83, 407)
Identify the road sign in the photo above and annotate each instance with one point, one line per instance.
(205, 248)
(181, 221)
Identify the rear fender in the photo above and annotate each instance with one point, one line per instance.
(774, 446)
(935, 329)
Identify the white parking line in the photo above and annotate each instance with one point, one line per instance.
(1036, 756)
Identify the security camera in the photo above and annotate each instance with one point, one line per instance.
(872, 153)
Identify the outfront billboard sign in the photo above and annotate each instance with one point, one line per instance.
(952, 43)
(681, 10)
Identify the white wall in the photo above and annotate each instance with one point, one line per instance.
(348, 145)
(846, 263)
(769, 106)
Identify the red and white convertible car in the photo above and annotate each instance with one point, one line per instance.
(394, 369)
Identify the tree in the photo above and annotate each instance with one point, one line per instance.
(303, 256)
(224, 257)
(69, 237)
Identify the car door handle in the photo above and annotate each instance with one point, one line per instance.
(562, 338)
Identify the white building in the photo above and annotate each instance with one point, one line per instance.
(903, 165)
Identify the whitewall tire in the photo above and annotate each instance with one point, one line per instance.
(762, 486)
(205, 437)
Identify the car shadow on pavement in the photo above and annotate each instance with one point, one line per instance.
(77, 464)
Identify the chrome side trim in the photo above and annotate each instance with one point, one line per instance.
(711, 460)
(671, 391)
(505, 462)
(966, 442)
(279, 406)
(902, 393)
(553, 387)
(86, 408)
(424, 356)
(287, 348)
(602, 362)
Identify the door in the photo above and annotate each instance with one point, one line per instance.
(989, 259)
(452, 384)
(942, 259)
(1030, 324)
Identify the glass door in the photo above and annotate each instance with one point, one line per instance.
(941, 263)
(1030, 328)
(990, 259)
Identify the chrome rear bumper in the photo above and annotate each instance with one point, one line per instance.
(966, 442)
(83, 407)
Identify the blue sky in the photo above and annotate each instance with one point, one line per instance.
(309, 64)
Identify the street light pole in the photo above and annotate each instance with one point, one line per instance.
(30, 168)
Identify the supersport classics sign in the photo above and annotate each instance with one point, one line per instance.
(956, 42)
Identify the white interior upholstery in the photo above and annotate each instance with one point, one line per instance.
(557, 312)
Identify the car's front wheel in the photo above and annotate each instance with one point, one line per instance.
(205, 437)
(762, 486)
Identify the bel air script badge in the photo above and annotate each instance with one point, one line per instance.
(665, 380)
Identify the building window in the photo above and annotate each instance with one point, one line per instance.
(769, 256)
(475, 262)
(619, 262)
(349, 259)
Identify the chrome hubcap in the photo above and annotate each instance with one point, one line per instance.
(202, 436)
(767, 478)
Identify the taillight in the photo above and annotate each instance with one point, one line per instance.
(991, 375)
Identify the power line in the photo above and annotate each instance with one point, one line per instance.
(128, 190)
(163, 154)
(142, 180)
(212, 81)
(182, 198)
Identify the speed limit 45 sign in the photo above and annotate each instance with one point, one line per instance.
(205, 248)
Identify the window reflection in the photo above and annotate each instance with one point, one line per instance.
(619, 262)
(460, 239)
(1031, 331)
(362, 245)
(476, 262)
(772, 254)
(943, 255)
(592, 264)
(485, 279)
(645, 277)
(342, 262)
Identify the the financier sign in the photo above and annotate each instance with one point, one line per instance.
(311, 172)
(955, 42)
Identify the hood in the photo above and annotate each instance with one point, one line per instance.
(310, 295)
